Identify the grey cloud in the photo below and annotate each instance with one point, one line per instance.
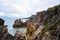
(25, 7)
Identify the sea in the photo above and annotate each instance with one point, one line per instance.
(12, 30)
(9, 22)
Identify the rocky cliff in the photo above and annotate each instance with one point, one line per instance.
(45, 25)
(4, 35)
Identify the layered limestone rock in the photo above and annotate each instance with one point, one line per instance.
(18, 23)
(45, 25)
(20, 35)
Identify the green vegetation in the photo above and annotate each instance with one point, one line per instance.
(55, 7)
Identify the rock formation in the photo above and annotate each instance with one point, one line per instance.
(18, 23)
(45, 25)
(4, 35)
(20, 35)
(1, 21)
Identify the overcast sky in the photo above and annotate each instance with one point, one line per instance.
(24, 8)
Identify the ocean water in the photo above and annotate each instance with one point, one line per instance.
(10, 21)
(13, 30)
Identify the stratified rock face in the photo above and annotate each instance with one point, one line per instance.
(20, 35)
(18, 23)
(1, 21)
(45, 25)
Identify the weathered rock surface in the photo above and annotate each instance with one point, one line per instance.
(45, 25)
(18, 23)
(1, 21)
(20, 35)
(58, 33)
(4, 35)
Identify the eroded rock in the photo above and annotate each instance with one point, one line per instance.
(4, 35)
(1, 21)
(18, 23)
(20, 35)
(50, 20)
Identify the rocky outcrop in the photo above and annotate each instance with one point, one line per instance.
(18, 23)
(45, 25)
(4, 35)
(1, 21)
(20, 35)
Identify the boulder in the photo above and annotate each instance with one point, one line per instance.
(1, 21)
(18, 23)
(3, 30)
(19, 35)
(4, 35)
